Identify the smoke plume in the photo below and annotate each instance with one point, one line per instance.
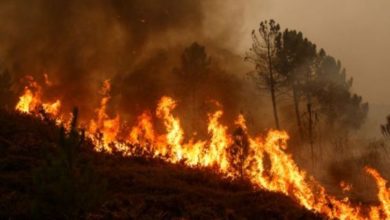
(137, 44)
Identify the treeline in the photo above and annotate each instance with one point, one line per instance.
(289, 65)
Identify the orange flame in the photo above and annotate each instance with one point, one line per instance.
(383, 195)
(27, 102)
(174, 137)
(143, 132)
(103, 124)
(264, 161)
(31, 100)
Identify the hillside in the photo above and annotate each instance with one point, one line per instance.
(33, 183)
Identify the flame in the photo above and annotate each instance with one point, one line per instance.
(174, 137)
(143, 132)
(31, 100)
(27, 102)
(52, 108)
(263, 160)
(383, 195)
(345, 187)
(105, 127)
(216, 152)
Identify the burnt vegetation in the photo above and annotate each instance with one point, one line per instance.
(49, 174)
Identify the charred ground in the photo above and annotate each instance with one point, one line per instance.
(34, 183)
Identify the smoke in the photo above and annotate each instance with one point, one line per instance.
(137, 44)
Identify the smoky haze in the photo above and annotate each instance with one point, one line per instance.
(137, 44)
(354, 31)
(78, 43)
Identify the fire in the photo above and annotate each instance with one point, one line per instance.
(383, 195)
(27, 102)
(143, 132)
(105, 127)
(345, 187)
(174, 137)
(216, 155)
(262, 160)
(52, 108)
(31, 100)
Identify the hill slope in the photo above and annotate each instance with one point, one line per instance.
(35, 183)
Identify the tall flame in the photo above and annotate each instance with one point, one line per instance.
(262, 160)
(105, 127)
(143, 132)
(174, 137)
(383, 195)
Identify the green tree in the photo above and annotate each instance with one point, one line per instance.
(263, 55)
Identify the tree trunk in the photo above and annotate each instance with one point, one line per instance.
(309, 110)
(297, 112)
(311, 127)
(275, 108)
(272, 85)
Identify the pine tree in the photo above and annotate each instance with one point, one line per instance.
(263, 54)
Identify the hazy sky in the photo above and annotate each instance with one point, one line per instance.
(355, 31)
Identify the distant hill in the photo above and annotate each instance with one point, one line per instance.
(39, 179)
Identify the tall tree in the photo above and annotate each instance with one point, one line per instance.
(295, 57)
(263, 54)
